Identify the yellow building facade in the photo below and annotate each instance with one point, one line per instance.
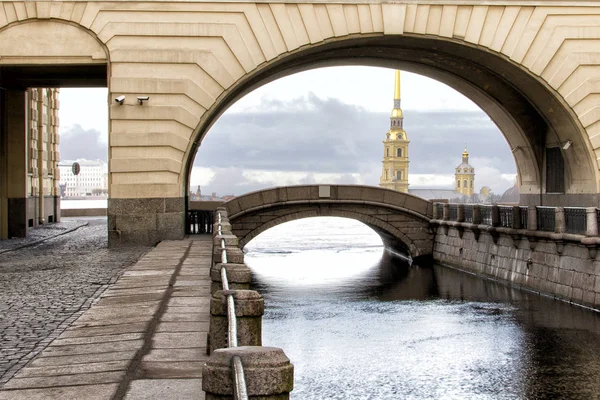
(394, 174)
(465, 176)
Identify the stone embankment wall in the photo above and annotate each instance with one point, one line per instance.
(566, 270)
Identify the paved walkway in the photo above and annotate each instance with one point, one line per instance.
(144, 339)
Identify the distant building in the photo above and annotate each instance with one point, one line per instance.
(92, 179)
(394, 174)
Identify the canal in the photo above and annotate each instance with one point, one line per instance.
(360, 323)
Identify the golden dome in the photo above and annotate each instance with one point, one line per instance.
(397, 113)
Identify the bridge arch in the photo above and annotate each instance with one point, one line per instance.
(520, 93)
(402, 220)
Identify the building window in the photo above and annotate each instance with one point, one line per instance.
(465, 183)
(399, 175)
(386, 175)
(387, 151)
(458, 183)
(399, 152)
(471, 184)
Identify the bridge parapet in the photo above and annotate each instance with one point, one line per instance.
(347, 194)
(402, 220)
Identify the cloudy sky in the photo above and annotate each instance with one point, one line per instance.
(321, 126)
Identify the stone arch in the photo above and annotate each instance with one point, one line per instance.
(386, 231)
(531, 113)
(50, 42)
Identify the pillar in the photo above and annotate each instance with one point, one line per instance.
(13, 164)
(560, 222)
(460, 213)
(516, 217)
(268, 373)
(592, 221)
(532, 218)
(249, 308)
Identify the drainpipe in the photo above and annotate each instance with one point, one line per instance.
(40, 143)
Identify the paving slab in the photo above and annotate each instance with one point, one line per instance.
(183, 327)
(87, 392)
(65, 380)
(96, 339)
(191, 354)
(171, 369)
(166, 389)
(83, 358)
(75, 349)
(74, 369)
(178, 340)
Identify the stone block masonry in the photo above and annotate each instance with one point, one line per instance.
(564, 270)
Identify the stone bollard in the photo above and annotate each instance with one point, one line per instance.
(230, 240)
(592, 222)
(268, 373)
(239, 277)
(225, 226)
(532, 218)
(249, 308)
(560, 222)
(234, 255)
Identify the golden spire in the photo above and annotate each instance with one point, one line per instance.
(397, 86)
(397, 111)
(465, 156)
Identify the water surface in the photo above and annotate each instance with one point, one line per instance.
(359, 323)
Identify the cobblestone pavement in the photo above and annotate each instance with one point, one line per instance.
(41, 233)
(45, 287)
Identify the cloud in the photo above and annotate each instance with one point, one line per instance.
(77, 142)
(326, 136)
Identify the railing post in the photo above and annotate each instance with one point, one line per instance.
(269, 373)
(476, 214)
(249, 309)
(460, 213)
(532, 218)
(560, 223)
(446, 211)
(592, 222)
(495, 215)
(516, 217)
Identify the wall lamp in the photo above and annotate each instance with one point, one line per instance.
(567, 144)
(141, 99)
(120, 100)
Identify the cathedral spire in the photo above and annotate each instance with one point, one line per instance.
(397, 117)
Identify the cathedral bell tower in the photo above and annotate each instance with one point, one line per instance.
(394, 173)
(465, 176)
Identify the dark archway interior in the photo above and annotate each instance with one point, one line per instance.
(531, 116)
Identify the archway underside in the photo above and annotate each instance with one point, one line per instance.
(400, 232)
(530, 115)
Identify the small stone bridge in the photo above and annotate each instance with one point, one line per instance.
(402, 220)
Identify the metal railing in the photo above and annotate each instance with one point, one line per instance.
(240, 391)
(546, 218)
(452, 212)
(199, 221)
(576, 220)
(524, 215)
(486, 215)
(468, 213)
(505, 216)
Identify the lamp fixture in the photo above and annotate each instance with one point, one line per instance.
(120, 100)
(141, 99)
(567, 144)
